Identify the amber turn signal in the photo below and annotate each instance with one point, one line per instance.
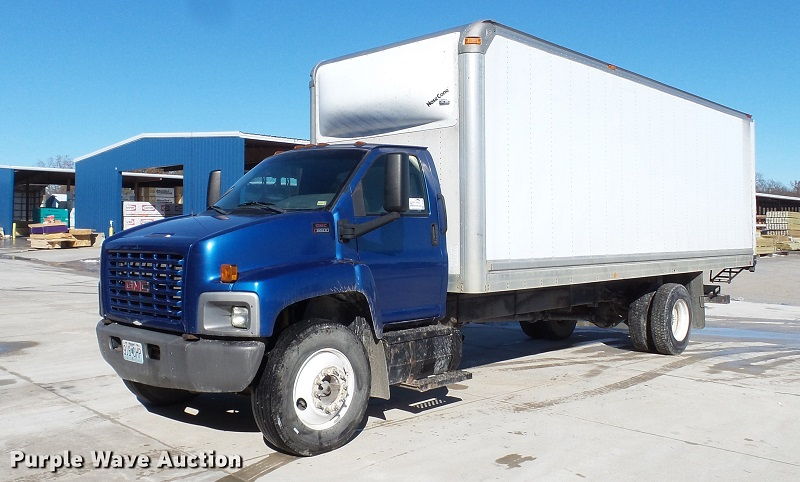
(228, 273)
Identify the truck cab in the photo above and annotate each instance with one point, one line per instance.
(286, 289)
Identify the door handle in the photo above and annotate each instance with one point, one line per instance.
(434, 235)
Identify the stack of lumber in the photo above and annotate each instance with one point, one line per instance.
(54, 236)
(786, 223)
(792, 244)
(765, 245)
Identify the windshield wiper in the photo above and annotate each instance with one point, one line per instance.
(261, 204)
(218, 209)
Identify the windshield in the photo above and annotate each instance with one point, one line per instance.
(296, 180)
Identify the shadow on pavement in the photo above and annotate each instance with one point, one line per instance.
(486, 344)
(483, 345)
(220, 411)
(410, 401)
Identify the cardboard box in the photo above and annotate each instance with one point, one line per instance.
(157, 193)
(41, 214)
(133, 221)
(140, 208)
(171, 209)
(48, 228)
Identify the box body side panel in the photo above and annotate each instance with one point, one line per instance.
(584, 163)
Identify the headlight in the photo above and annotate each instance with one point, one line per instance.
(234, 313)
(240, 317)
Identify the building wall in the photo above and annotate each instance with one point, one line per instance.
(98, 193)
(6, 199)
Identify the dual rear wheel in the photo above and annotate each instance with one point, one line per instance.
(660, 321)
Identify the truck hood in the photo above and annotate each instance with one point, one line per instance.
(199, 245)
(180, 232)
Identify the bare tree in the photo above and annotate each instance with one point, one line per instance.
(771, 186)
(794, 186)
(61, 161)
(760, 182)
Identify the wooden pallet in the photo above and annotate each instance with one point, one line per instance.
(56, 243)
(75, 238)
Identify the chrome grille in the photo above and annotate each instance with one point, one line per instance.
(164, 274)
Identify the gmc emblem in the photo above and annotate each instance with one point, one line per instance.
(138, 286)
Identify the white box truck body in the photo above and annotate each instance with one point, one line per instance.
(557, 168)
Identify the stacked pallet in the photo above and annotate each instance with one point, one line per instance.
(783, 230)
(786, 223)
(53, 236)
(765, 245)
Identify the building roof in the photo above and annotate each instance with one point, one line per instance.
(37, 168)
(156, 135)
(72, 171)
(778, 196)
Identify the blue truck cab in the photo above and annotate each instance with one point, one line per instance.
(316, 281)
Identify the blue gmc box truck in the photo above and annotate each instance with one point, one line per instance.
(477, 174)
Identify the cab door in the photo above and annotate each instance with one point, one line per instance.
(407, 257)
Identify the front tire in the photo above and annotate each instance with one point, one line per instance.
(549, 329)
(671, 319)
(158, 396)
(313, 393)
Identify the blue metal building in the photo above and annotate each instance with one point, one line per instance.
(98, 190)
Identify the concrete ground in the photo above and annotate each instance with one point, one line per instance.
(776, 280)
(587, 408)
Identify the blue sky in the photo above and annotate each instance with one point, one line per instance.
(76, 76)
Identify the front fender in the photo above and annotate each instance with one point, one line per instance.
(280, 287)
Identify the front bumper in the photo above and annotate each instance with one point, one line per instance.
(172, 362)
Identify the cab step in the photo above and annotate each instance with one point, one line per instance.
(436, 381)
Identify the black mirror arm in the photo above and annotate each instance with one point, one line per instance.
(348, 230)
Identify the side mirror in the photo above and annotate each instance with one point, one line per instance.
(395, 194)
(214, 187)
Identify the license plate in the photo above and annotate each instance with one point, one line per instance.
(132, 351)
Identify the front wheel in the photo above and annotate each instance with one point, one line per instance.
(313, 393)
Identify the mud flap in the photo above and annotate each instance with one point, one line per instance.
(697, 293)
(377, 358)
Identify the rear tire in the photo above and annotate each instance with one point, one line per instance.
(313, 393)
(548, 329)
(639, 324)
(671, 319)
(158, 396)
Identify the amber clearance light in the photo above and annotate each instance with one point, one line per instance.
(228, 273)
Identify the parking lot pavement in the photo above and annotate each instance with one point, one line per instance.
(588, 407)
